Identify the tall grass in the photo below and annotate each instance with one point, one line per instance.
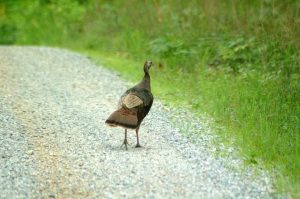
(235, 60)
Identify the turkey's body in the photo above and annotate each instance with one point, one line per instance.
(132, 111)
(133, 106)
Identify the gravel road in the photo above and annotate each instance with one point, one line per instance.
(54, 142)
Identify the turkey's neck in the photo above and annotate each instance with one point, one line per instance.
(146, 81)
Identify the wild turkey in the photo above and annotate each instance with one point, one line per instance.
(133, 106)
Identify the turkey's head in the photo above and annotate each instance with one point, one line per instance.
(147, 66)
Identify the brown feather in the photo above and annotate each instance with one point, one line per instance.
(131, 101)
(123, 117)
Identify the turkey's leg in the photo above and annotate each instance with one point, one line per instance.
(137, 137)
(125, 140)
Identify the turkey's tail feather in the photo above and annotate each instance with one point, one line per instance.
(123, 117)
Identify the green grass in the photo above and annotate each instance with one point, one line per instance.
(237, 61)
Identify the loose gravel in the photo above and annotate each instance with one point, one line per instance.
(54, 142)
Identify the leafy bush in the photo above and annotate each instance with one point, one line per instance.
(34, 21)
(7, 33)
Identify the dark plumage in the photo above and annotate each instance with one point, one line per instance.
(133, 107)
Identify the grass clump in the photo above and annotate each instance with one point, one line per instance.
(238, 61)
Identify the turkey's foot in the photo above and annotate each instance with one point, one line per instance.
(138, 145)
(125, 143)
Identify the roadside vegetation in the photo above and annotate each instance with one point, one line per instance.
(237, 61)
